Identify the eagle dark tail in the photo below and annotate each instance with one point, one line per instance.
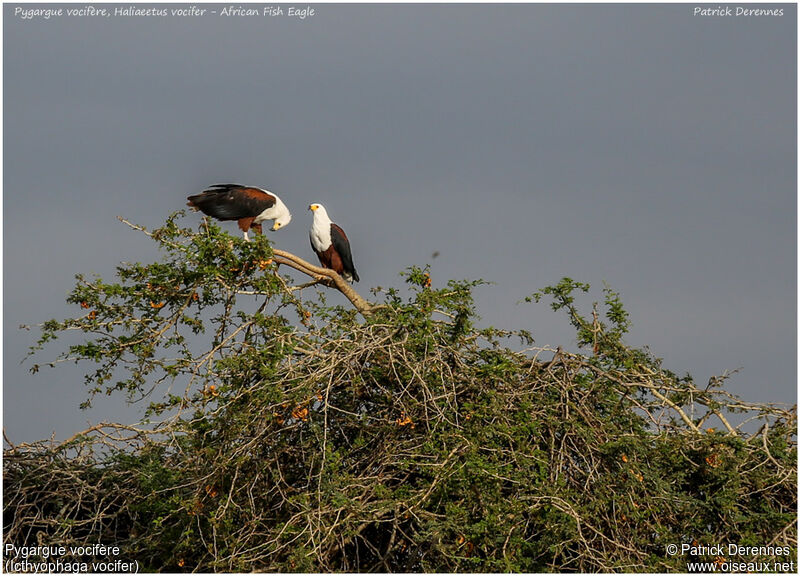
(200, 201)
(216, 202)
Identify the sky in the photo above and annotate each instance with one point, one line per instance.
(643, 146)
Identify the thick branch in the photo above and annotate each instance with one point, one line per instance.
(282, 257)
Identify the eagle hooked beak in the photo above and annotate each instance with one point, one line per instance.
(276, 225)
(313, 207)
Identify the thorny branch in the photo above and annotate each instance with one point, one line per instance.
(331, 528)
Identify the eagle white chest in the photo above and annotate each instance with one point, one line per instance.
(321, 232)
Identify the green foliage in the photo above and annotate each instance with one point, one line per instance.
(141, 327)
(307, 438)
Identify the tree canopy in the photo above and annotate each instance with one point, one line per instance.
(394, 435)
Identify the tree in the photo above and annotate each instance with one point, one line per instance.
(286, 434)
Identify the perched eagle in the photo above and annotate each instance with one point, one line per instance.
(331, 244)
(248, 205)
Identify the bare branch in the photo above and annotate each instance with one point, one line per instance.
(320, 274)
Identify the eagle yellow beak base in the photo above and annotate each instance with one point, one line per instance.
(313, 207)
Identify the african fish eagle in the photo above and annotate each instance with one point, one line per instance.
(248, 205)
(331, 245)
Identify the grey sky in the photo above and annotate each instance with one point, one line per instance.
(634, 144)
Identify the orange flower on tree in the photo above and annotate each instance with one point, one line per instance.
(300, 413)
(405, 420)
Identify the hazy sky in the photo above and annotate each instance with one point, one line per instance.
(640, 145)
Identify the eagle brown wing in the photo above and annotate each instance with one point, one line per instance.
(342, 246)
(232, 201)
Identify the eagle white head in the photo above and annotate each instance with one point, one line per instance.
(281, 214)
(320, 214)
